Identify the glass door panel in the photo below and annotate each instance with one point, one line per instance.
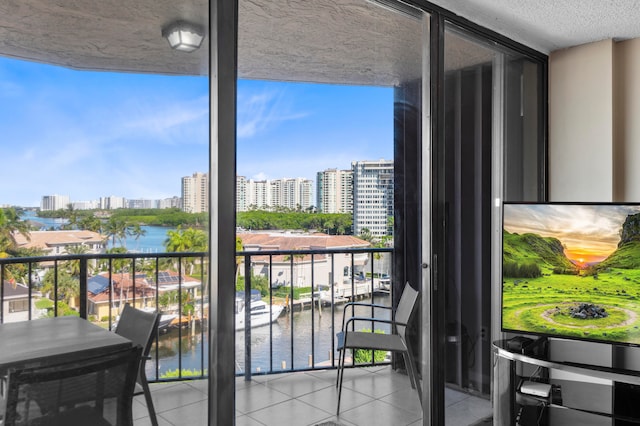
(330, 97)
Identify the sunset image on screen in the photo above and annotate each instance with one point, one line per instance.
(572, 270)
(586, 234)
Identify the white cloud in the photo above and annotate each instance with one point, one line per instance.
(169, 121)
(259, 112)
(260, 176)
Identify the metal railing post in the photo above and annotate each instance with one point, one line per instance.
(2, 294)
(247, 318)
(298, 333)
(83, 287)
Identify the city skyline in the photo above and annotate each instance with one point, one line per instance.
(136, 136)
(108, 199)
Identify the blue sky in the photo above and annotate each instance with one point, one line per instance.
(93, 134)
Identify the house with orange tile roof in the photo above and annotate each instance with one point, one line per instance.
(57, 242)
(297, 271)
(139, 290)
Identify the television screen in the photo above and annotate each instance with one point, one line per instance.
(572, 270)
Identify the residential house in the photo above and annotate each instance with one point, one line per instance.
(107, 297)
(297, 270)
(15, 304)
(58, 242)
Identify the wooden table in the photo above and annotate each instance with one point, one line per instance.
(48, 341)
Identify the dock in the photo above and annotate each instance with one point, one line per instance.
(342, 293)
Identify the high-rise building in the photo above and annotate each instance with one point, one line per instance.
(170, 202)
(289, 193)
(242, 204)
(112, 202)
(142, 204)
(54, 202)
(294, 194)
(85, 205)
(258, 193)
(372, 196)
(334, 191)
(195, 193)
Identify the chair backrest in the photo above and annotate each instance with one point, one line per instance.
(406, 306)
(138, 326)
(37, 394)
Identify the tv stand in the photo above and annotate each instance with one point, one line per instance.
(579, 401)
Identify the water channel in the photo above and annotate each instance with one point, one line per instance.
(298, 339)
(295, 330)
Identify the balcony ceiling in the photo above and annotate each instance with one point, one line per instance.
(548, 25)
(347, 41)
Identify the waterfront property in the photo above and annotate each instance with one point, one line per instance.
(58, 242)
(295, 265)
(108, 290)
(300, 339)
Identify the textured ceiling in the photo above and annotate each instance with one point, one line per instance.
(345, 41)
(100, 35)
(348, 41)
(548, 25)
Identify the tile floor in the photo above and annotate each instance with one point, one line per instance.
(370, 396)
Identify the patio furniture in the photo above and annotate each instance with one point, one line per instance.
(140, 327)
(42, 395)
(48, 341)
(394, 342)
(52, 341)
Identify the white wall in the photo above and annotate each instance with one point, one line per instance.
(581, 123)
(626, 121)
(594, 147)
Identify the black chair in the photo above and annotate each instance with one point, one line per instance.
(140, 327)
(42, 396)
(394, 342)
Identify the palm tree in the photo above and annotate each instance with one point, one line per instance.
(186, 240)
(10, 224)
(68, 287)
(365, 234)
(118, 265)
(137, 232)
(74, 264)
(117, 228)
(72, 216)
(90, 223)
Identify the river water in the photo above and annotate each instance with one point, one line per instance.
(151, 242)
(298, 330)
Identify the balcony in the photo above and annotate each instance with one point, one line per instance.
(371, 396)
(285, 370)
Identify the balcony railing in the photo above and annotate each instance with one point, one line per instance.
(308, 286)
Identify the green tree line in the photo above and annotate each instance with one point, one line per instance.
(156, 217)
(331, 223)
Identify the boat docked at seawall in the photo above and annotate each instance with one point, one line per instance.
(261, 313)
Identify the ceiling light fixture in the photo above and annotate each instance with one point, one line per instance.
(183, 36)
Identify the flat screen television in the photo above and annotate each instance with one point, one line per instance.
(572, 270)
